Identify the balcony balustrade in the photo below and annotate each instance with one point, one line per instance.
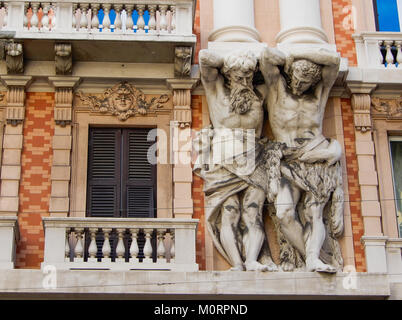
(380, 50)
(120, 244)
(32, 19)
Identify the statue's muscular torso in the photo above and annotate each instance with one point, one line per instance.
(295, 120)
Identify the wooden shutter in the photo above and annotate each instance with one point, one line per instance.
(138, 182)
(104, 173)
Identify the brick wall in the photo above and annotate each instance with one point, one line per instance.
(35, 178)
(353, 184)
(343, 26)
(197, 193)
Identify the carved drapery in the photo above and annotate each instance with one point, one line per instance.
(123, 100)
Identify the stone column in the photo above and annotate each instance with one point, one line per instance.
(182, 147)
(234, 21)
(373, 239)
(13, 143)
(61, 166)
(300, 22)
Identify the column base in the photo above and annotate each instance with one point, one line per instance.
(235, 34)
(305, 35)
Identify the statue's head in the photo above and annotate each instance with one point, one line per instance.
(239, 68)
(304, 74)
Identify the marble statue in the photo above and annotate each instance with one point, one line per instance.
(310, 187)
(236, 183)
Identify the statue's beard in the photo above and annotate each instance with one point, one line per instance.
(241, 99)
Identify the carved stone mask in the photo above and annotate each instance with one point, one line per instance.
(62, 50)
(14, 49)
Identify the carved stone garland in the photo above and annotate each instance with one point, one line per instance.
(123, 100)
(392, 108)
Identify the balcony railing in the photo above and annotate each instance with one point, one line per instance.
(120, 244)
(379, 50)
(146, 17)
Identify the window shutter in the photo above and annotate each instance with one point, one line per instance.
(104, 173)
(139, 179)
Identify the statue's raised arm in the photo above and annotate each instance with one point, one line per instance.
(270, 61)
(210, 64)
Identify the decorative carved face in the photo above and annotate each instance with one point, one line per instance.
(304, 75)
(122, 99)
(242, 95)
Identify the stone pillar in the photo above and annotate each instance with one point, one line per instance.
(182, 147)
(234, 21)
(373, 239)
(9, 236)
(61, 166)
(300, 22)
(13, 143)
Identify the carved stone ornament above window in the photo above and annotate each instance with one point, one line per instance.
(123, 100)
(391, 108)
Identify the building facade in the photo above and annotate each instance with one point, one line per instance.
(100, 104)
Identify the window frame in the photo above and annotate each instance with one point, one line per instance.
(390, 139)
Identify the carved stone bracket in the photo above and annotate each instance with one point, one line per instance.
(182, 61)
(391, 108)
(63, 58)
(64, 87)
(15, 112)
(361, 111)
(361, 104)
(123, 100)
(182, 100)
(14, 57)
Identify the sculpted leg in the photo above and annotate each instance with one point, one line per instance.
(285, 205)
(230, 221)
(315, 241)
(253, 202)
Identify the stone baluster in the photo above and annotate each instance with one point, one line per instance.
(34, 18)
(163, 21)
(118, 22)
(73, 21)
(106, 19)
(140, 21)
(161, 250)
(152, 19)
(45, 18)
(106, 249)
(89, 19)
(134, 250)
(120, 249)
(79, 248)
(2, 17)
(398, 45)
(172, 246)
(78, 13)
(67, 246)
(389, 58)
(95, 19)
(173, 23)
(123, 18)
(52, 17)
(169, 21)
(40, 16)
(158, 21)
(92, 249)
(148, 246)
(129, 22)
(28, 16)
(83, 20)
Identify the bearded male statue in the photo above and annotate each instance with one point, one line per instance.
(309, 202)
(237, 182)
